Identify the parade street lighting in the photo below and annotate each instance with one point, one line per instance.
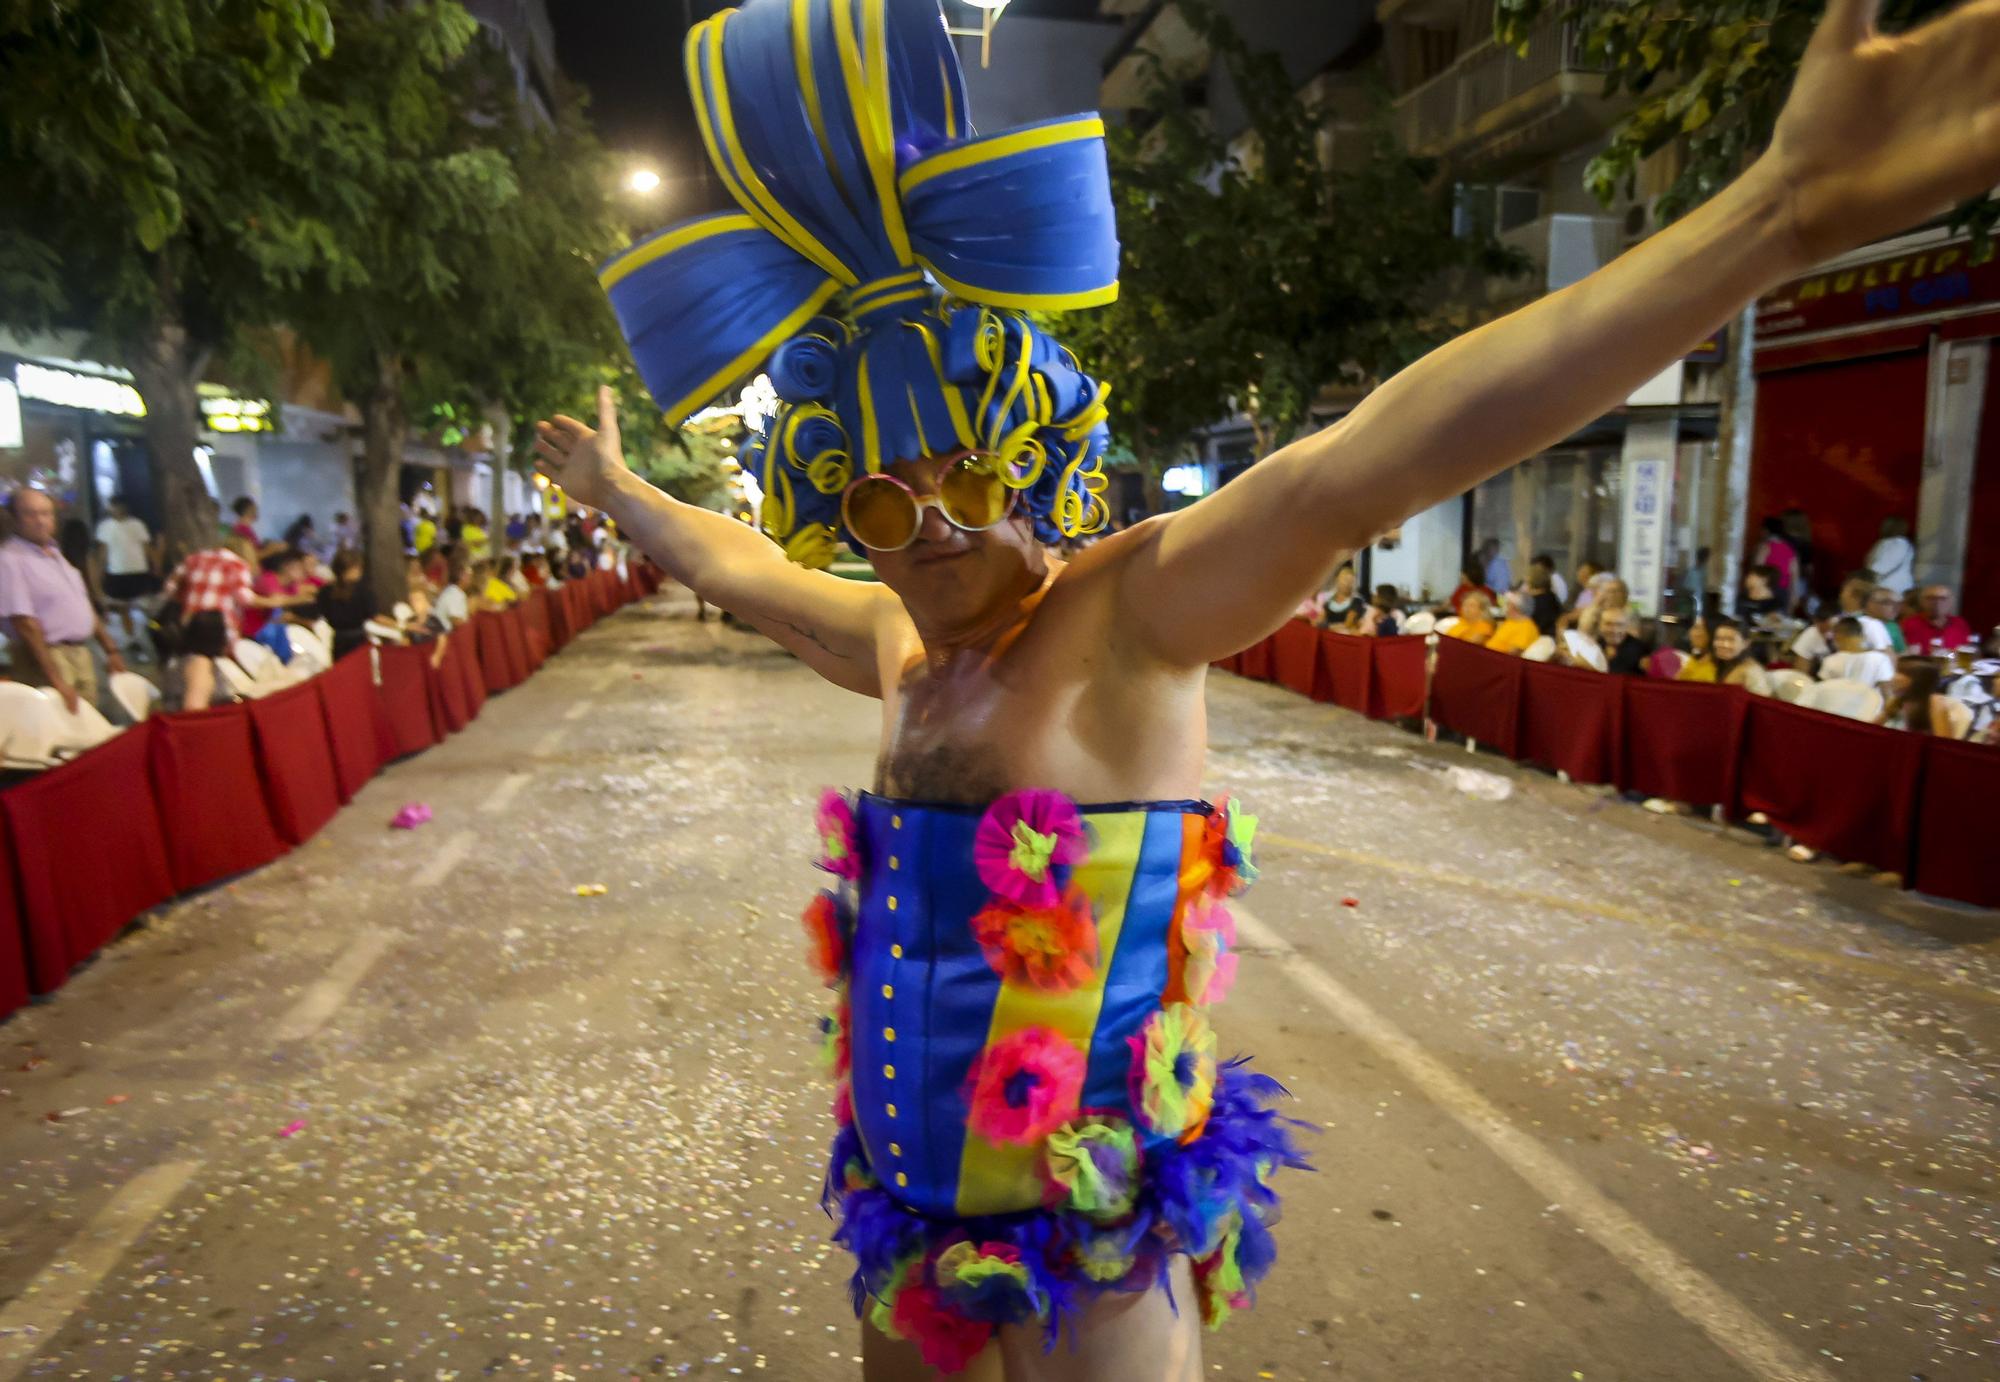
(989, 15)
(642, 181)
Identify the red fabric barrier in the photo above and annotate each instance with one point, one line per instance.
(447, 683)
(561, 629)
(1258, 661)
(407, 689)
(295, 759)
(1345, 664)
(1955, 822)
(211, 804)
(1397, 676)
(1571, 719)
(1836, 784)
(464, 656)
(496, 674)
(356, 724)
(13, 943)
(1295, 656)
(1477, 693)
(1679, 740)
(89, 853)
(535, 628)
(514, 643)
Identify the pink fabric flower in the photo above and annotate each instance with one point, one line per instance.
(1211, 965)
(1022, 839)
(1025, 1086)
(839, 849)
(948, 1340)
(1052, 948)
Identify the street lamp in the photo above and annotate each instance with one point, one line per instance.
(642, 181)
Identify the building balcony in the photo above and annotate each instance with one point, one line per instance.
(1498, 108)
(1156, 32)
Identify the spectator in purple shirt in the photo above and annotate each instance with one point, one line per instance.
(46, 609)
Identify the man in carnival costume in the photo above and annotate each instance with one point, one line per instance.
(1040, 1166)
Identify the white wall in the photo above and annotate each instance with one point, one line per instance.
(1426, 559)
(296, 476)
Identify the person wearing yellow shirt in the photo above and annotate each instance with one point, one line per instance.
(472, 537)
(1517, 632)
(1700, 664)
(425, 535)
(499, 591)
(1475, 618)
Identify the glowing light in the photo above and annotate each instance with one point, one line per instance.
(1184, 479)
(643, 181)
(90, 392)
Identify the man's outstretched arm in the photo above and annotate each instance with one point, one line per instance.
(1879, 134)
(838, 628)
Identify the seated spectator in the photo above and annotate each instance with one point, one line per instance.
(1664, 661)
(1610, 594)
(1343, 606)
(347, 604)
(454, 601)
(1544, 604)
(1816, 642)
(1734, 666)
(1587, 573)
(1699, 664)
(1517, 632)
(1625, 651)
(1475, 618)
(1936, 629)
(1384, 615)
(417, 580)
(284, 579)
(437, 566)
(1885, 607)
(1852, 658)
(499, 589)
(1761, 602)
(535, 570)
(1470, 580)
(1915, 702)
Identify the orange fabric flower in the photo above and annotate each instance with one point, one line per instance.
(1052, 948)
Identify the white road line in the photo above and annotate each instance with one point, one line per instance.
(325, 995)
(1685, 1287)
(444, 861)
(509, 788)
(546, 745)
(59, 1289)
(580, 709)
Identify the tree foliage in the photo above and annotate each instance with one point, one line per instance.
(1712, 74)
(1251, 282)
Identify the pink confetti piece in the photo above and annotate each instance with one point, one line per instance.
(292, 1129)
(411, 816)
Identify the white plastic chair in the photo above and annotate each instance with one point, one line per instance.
(1790, 685)
(135, 695)
(1541, 650)
(404, 614)
(79, 729)
(1584, 650)
(1421, 622)
(262, 664)
(379, 632)
(29, 727)
(1446, 624)
(240, 683)
(323, 631)
(309, 655)
(1852, 700)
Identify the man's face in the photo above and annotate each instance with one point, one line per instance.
(35, 516)
(949, 576)
(1937, 603)
(1882, 603)
(1854, 597)
(1614, 629)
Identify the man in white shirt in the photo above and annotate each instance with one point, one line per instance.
(453, 606)
(128, 563)
(1893, 558)
(1815, 643)
(1852, 660)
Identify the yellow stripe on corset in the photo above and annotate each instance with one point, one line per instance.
(998, 1178)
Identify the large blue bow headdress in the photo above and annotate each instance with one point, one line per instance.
(881, 262)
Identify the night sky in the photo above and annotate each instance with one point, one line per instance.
(628, 54)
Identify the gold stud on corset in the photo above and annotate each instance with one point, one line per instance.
(897, 951)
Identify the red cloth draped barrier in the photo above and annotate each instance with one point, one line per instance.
(212, 806)
(1570, 720)
(1257, 661)
(1346, 664)
(514, 643)
(1295, 656)
(464, 655)
(1955, 822)
(357, 723)
(496, 674)
(535, 628)
(13, 944)
(407, 694)
(1835, 784)
(1680, 738)
(1477, 693)
(72, 902)
(561, 629)
(295, 759)
(1398, 676)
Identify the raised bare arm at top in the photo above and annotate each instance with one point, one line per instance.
(1879, 133)
(836, 627)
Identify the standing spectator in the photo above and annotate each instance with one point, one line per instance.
(245, 527)
(1936, 629)
(1699, 664)
(346, 535)
(1777, 555)
(1493, 566)
(1915, 703)
(130, 569)
(1475, 618)
(472, 535)
(1471, 580)
(1798, 532)
(1543, 605)
(1893, 558)
(424, 536)
(1734, 665)
(1853, 659)
(218, 580)
(302, 534)
(1517, 632)
(1762, 600)
(1885, 608)
(1587, 573)
(1343, 606)
(47, 608)
(1546, 565)
(346, 603)
(517, 527)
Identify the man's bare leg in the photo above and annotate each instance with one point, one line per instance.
(1121, 1338)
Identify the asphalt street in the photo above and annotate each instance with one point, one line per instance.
(1604, 1096)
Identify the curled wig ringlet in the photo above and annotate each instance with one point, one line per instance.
(881, 268)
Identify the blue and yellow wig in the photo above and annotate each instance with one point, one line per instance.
(882, 263)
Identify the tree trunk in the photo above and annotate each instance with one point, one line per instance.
(378, 482)
(1735, 429)
(165, 370)
(502, 450)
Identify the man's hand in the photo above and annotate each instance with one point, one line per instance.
(1882, 132)
(586, 464)
(68, 693)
